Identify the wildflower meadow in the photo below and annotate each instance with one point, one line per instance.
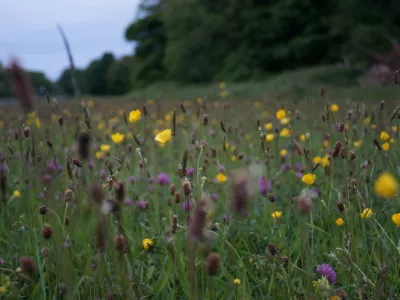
(199, 199)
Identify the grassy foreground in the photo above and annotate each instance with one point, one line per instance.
(200, 200)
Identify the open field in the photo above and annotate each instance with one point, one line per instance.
(197, 199)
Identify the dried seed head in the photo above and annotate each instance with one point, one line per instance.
(304, 204)
(183, 109)
(198, 222)
(49, 144)
(240, 191)
(272, 249)
(144, 110)
(343, 153)
(67, 220)
(213, 263)
(44, 252)
(47, 231)
(205, 120)
(84, 145)
(187, 189)
(382, 105)
(43, 209)
(172, 189)
(336, 148)
(77, 162)
(130, 148)
(377, 144)
(121, 243)
(271, 197)
(352, 155)
(322, 91)
(284, 259)
(119, 191)
(27, 264)
(340, 206)
(68, 195)
(27, 131)
(396, 77)
(22, 86)
(174, 224)
(60, 121)
(96, 192)
(299, 148)
(341, 127)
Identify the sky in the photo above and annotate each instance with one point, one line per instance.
(28, 31)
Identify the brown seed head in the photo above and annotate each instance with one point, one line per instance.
(341, 127)
(77, 162)
(44, 252)
(343, 153)
(121, 243)
(187, 189)
(198, 222)
(382, 105)
(284, 259)
(84, 145)
(240, 191)
(43, 209)
(352, 155)
(336, 148)
(272, 249)
(205, 120)
(22, 86)
(396, 77)
(299, 148)
(322, 91)
(27, 264)
(119, 188)
(47, 231)
(172, 189)
(213, 263)
(304, 204)
(27, 131)
(174, 224)
(96, 192)
(271, 197)
(183, 109)
(67, 220)
(144, 110)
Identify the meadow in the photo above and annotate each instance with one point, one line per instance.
(200, 199)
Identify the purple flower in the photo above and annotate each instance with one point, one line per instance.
(163, 179)
(262, 185)
(142, 204)
(53, 165)
(42, 195)
(327, 271)
(132, 179)
(190, 172)
(284, 168)
(221, 169)
(298, 166)
(214, 196)
(128, 202)
(1, 261)
(187, 205)
(299, 175)
(103, 173)
(151, 188)
(91, 164)
(46, 178)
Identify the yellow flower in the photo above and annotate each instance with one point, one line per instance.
(285, 121)
(90, 104)
(268, 126)
(384, 136)
(394, 128)
(251, 260)
(17, 194)
(105, 147)
(325, 161)
(308, 178)
(99, 154)
(335, 298)
(317, 160)
(367, 120)
(220, 177)
(233, 158)
(285, 132)
(134, 116)
(280, 114)
(391, 140)
(276, 214)
(386, 185)
(236, 281)
(373, 126)
(386, 146)
(257, 104)
(117, 137)
(150, 102)
(366, 213)
(222, 85)
(3, 289)
(269, 137)
(396, 219)
(334, 108)
(339, 222)
(38, 123)
(121, 112)
(164, 136)
(283, 152)
(147, 244)
(101, 125)
(302, 137)
(357, 144)
(325, 143)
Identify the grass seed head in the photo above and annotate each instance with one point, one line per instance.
(22, 86)
(47, 232)
(213, 263)
(27, 264)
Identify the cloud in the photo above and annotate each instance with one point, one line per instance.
(28, 30)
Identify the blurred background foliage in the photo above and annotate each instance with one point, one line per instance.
(202, 41)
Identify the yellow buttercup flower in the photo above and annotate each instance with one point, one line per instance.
(386, 185)
(285, 121)
(394, 128)
(222, 85)
(325, 161)
(396, 219)
(269, 137)
(384, 136)
(280, 114)
(367, 120)
(339, 222)
(276, 214)
(233, 158)
(99, 154)
(268, 126)
(105, 147)
(3, 289)
(38, 123)
(101, 125)
(236, 281)
(164, 136)
(317, 160)
(134, 116)
(308, 178)
(147, 244)
(90, 104)
(17, 194)
(366, 213)
(391, 140)
(302, 137)
(117, 137)
(373, 126)
(386, 146)
(357, 144)
(221, 177)
(325, 143)
(285, 132)
(283, 153)
(334, 108)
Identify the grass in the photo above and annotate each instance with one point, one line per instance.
(241, 224)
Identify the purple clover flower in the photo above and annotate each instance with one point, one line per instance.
(187, 205)
(327, 271)
(128, 202)
(1, 261)
(214, 196)
(190, 172)
(163, 179)
(53, 165)
(132, 179)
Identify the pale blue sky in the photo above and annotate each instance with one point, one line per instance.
(28, 31)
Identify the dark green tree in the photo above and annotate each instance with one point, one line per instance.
(118, 76)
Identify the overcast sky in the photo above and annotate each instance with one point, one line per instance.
(28, 31)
